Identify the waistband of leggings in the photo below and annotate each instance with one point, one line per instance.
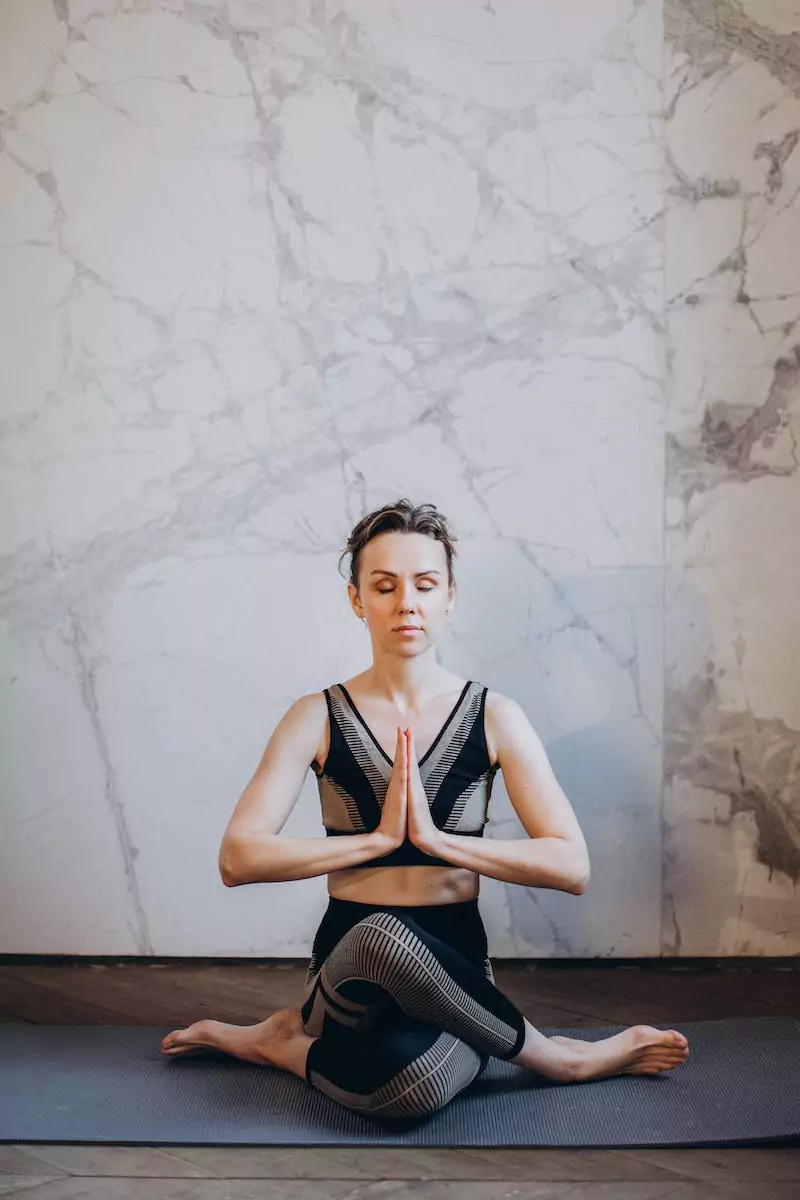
(458, 907)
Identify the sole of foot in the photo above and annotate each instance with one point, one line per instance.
(640, 1050)
(254, 1043)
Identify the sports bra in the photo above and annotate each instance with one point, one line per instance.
(456, 772)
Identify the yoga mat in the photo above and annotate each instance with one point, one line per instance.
(110, 1083)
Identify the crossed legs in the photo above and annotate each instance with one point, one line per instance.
(397, 1022)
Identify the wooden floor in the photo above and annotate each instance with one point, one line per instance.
(175, 994)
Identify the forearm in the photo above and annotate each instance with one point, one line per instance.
(545, 862)
(273, 858)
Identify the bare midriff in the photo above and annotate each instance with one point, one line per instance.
(404, 885)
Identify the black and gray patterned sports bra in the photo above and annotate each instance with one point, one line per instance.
(456, 772)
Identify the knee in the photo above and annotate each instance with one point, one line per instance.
(413, 1104)
(430, 1080)
(426, 1106)
(374, 940)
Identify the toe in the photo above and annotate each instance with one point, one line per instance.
(172, 1039)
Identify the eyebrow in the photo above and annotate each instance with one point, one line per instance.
(380, 571)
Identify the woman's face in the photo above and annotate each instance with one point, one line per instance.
(403, 581)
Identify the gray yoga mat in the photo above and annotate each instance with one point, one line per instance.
(110, 1083)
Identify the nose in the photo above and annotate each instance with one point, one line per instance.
(406, 599)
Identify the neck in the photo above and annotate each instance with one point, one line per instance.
(407, 682)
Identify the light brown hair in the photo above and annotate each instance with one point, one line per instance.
(403, 517)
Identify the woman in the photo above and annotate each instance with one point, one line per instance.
(400, 1011)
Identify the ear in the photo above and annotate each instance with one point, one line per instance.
(355, 602)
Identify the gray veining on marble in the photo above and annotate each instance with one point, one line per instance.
(732, 702)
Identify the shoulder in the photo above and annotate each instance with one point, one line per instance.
(503, 719)
(501, 708)
(311, 711)
(307, 714)
(310, 705)
(313, 708)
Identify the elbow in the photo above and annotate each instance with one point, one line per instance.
(244, 859)
(226, 877)
(227, 866)
(580, 881)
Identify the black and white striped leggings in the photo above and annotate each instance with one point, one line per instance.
(403, 1004)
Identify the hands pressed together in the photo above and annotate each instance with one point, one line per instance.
(405, 808)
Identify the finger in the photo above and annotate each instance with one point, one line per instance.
(405, 767)
(412, 756)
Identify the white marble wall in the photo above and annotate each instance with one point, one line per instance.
(267, 266)
(732, 621)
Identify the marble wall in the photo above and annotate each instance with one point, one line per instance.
(268, 266)
(731, 805)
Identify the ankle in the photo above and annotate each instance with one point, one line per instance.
(562, 1063)
(294, 1053)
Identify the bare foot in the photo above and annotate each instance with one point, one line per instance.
(640, 1050)
(279, 1041)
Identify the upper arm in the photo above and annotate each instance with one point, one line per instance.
(265, 804)
(532, 787)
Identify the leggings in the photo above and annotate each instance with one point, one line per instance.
(403, 1004)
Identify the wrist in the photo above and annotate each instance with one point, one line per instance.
(430, 842)
(382, 842)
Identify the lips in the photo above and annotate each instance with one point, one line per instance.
(400, 628)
